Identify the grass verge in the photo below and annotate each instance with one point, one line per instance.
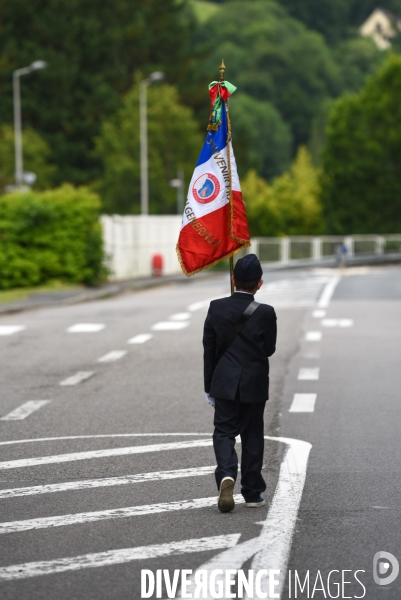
(16, 294)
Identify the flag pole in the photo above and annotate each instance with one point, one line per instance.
(231, 259)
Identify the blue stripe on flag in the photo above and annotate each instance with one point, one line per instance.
(215, 140)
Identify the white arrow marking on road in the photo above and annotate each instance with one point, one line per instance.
(272, 548)
(112, 356)
(10, 329)
(86, 328)
(302, 403)
(116, 513)
(170, 325)
(115, 557)
(104, 482)
(77, 378)
(308, 374)
(328, 292)
(25, 410)
(319, 314)
(61, 458)
(141, 338)
(313, 336)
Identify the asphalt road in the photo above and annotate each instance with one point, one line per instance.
(106, 466)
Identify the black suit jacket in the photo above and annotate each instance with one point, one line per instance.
(245, 365)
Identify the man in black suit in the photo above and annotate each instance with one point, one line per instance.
(237, 385)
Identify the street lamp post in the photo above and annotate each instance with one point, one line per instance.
(178, 183)
(19, 165)
(155, 76)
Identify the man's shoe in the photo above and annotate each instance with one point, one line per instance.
(256, 504)
(225, 502)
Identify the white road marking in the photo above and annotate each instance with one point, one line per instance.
(302, 403)
(86, 328)
(319, 314)
(102, 435)
(77, 378)
(85, 484)
(112, 356)
(308, 374)
(24, 410)
(141, 338)
(10, 329)
(328, 292)
(292, 292)
(116, 513)
(272, 547)
(169, 325)
(337, 322)
(313, 336)
(201, 304)
(115, 557)
(88, 455)
(184, 316)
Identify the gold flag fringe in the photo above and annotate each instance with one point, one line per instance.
(190, 273)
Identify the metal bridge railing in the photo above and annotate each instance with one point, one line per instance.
(284, 250)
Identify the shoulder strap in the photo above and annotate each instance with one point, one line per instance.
(248, 312)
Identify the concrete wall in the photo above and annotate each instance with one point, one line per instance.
(131, 241)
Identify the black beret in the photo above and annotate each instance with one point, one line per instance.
(248, 268)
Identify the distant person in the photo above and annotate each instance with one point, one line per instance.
(239, 336)
(344, 255)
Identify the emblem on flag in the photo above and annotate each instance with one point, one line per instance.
(214, 224)
(206, 188)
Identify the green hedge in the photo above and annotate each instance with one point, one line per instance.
(50, 235)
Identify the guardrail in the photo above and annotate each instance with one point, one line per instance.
(286, 250)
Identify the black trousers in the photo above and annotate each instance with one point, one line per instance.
(232, 418)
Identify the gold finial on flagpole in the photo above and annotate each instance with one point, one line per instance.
(222, 68)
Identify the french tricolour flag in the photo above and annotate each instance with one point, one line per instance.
(214, 224)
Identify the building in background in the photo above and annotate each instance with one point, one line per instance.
(381, 26)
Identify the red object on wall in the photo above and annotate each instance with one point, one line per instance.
(157, 265)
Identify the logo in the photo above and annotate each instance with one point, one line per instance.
(385, 564)
(206, 188)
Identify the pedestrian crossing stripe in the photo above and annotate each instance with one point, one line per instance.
(117, 557)
(270, 550)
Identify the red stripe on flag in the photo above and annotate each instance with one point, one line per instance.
(207, 240)
(240, 228)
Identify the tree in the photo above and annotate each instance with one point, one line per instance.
(262, 140)
(273, 58)
(92, 49)
(329, 17)
(263, 212)
(174, 142)
(336, 19)
(290, 206)
(361, 163)
(357, 58)
(36, 155)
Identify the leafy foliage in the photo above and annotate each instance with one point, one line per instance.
(275, 59)
(173, 141)
(48, 235)
(36, 154)
(262, 140)
(333, 18)
(92, 50)
(361, 163)
(290, 206)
